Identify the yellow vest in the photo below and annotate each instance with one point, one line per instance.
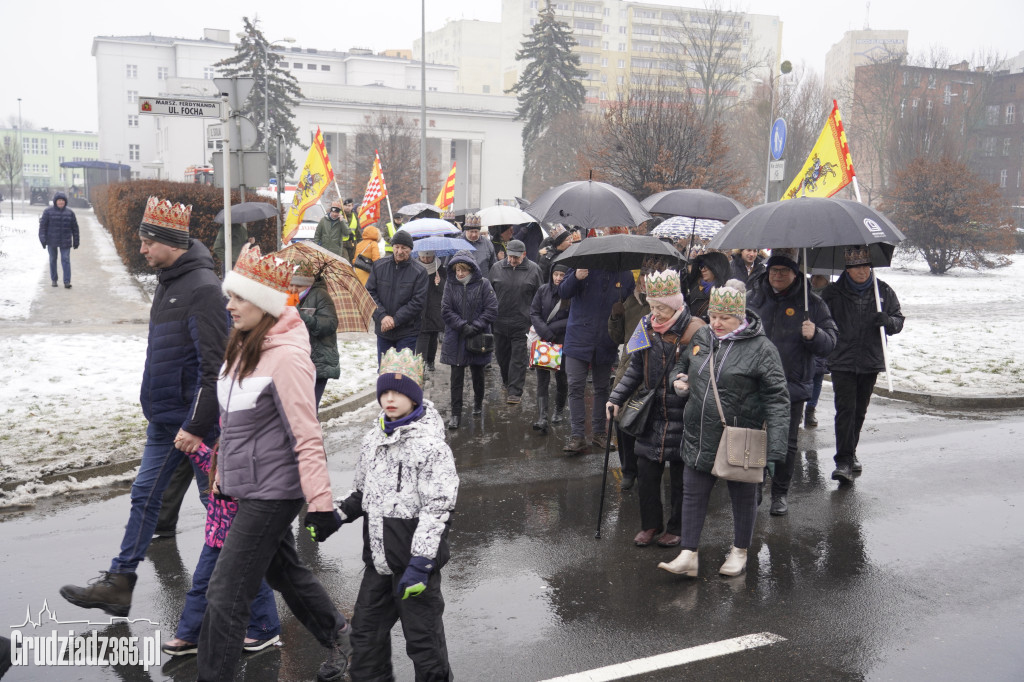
(390, 229)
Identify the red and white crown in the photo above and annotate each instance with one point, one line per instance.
(262, 280)
(162, 213)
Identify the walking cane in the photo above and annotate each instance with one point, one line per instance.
(604, 477)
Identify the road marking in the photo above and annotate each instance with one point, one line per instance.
(672, 659)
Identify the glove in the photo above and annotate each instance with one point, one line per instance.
(469, 330)
(322, 525)
(414, 580)
(881, 319)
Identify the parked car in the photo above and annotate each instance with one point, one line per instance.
(310, 219)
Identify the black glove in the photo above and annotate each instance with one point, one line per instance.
(469, 330)
(881, 319)
(322, 525)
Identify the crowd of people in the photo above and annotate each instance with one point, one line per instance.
(235, 371)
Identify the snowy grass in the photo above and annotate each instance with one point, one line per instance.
(20, 257)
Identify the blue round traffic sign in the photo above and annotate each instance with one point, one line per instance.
(778, 141)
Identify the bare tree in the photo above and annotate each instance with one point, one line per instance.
(10, 165)
(559, 154)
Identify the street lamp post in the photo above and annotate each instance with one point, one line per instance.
(21, 150)
(784, 68)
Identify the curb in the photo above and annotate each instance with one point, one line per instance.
(980, 402)
(349, 404)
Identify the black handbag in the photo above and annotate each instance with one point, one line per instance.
(634, 415)
(363, 263)
(480, 343)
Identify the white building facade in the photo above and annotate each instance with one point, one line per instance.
(471, 47)
(859, 48)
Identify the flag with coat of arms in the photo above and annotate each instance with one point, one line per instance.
(829, 166)
(376, 190)
(315, 176)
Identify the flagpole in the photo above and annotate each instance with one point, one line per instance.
(387, 195)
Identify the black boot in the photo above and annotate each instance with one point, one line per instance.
(453, 421)
(478, 406)
(558, 416)
(542, 416)
(111, 592)
(810, 421)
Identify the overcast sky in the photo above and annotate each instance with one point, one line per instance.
(46, 49)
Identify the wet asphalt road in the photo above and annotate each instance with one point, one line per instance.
(912, 573)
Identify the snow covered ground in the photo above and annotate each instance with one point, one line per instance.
(959, 339)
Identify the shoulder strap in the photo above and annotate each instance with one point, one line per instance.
(714, 385)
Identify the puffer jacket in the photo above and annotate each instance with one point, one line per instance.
(399, 290)
(321, 319)
(368, 246)
(859, 346)
(473, 303)
(783, 315)
(653, 368)
(586, 337)
(58, 226)
(751, 385)
(271, 445)
(188, 327)
(514, 287)
(405, 488)
(544, 301)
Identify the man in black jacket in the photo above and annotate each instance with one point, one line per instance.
(58, 233)
(188, 327)
(515, 280)
(800, 335)
(398, 285)
(858, 356)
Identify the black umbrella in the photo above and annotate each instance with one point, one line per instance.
(833, 257)
(418, 208)
(693, 203)
(248, 212)
(588, 204)
(617, 252)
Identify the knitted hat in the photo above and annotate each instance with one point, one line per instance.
(729, 300)
(472, 222)
(166, 223)
(663, 287)
(515, 248)
(401, 371)
(262, 280)
(857, 255)
(784, 258)
(402, 238)
(559, 267)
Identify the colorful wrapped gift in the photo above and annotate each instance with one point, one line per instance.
(546, 355)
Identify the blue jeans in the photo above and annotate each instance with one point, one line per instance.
(816, 393)
(263, 620)
(159, 460)
(65, 262)
(398, 344)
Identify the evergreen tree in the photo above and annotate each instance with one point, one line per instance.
(551, 82)
(255, 58)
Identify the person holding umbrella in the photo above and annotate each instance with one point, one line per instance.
(858, 356)
(801, 334)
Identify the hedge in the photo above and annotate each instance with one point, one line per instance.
(119, 208)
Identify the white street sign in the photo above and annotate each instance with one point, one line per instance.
(195, 108)
(215, 132)
(776, 170)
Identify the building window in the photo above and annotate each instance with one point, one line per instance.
(132, 70)
(991, 114)
(1011, 115)
(60, 159)
(605, 45)
(931, 81)
(311, 67)
(947, 95)
(903, 105)
(906, 78)
(1002, 178)
(133, 121)
(133, 96)
(42, 146)
(162, 73)
(1007, 142)
(46, 169)
(622, 63)
(534, 4)
(325, 67)
(622, 29)
(60, 144)
(76, 144)
(604, 61)
(134, 154)
(297, 65)
(209, 73)
(35, 145)
(487, 89)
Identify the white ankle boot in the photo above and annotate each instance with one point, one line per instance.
(684, 564)
(735, 563)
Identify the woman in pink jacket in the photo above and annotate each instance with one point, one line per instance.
(272, 461)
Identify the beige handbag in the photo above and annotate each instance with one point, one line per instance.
(742, 453)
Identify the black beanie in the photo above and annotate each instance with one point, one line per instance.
(402, 238)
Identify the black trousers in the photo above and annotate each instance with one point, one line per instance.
(174, 495)
(561, 385)
(458, 378)
(627, 453)
(426, 345)
(697, 487)
(649, 492)
(377, 610)
(784, 470)
(852, 395)
(513, 358)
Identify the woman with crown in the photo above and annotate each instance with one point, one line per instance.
(272, 460)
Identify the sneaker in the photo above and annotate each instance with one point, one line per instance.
(627, 481)
(68, 285)
(810, 420)
(514, 399)
(53, 283)
(254, 645)
(183, 649)
(338, 657)
(843, 474)
(111, 592)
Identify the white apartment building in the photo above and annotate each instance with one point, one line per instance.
(470, 46)
(859, 48)
(341, 90)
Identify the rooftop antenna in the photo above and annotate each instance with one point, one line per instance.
(867, 15)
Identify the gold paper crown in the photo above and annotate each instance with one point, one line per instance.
(403, 362)
(162, 213)
(662, 284)
(726, 301)
(472, 222)
(857, 255)
(268, 270)
(448, 215)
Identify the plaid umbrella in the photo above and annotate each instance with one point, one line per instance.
(681, 228)
(351, 301)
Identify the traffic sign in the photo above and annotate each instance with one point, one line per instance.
(215, 131)
(778, 141)
(776, 170)
(237, 90)
(194, 108)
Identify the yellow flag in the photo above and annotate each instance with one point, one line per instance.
(829, 167)
(447, 196)
(316, 175)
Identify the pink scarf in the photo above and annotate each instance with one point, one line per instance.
(662, 327)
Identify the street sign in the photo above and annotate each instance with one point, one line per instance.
(244, 135)
(215, 131)
(256, 171)
(776, 170)
(194, 108)
(237, 90)
(778, 141)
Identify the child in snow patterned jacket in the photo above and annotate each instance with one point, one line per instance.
(405, 488)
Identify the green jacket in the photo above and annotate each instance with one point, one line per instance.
(331, 234)
(317, 311)
(752, 387)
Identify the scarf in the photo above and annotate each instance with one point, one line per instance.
(464, 280)
(662, 327)
(390, 427)
(734, 333)
(705, 286)
(431, 266)
(858, 288)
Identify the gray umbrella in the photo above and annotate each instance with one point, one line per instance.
(588, 204)
(693, 203)
(248, 212)
(418, 208)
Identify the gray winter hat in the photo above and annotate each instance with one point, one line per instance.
(515, 248)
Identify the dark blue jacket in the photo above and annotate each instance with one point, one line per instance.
(188, 327)
(531, 236)
(783, 315)
(58, 226)
(544, 301)
(586, 337)
(399, 290)
(473, 303)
